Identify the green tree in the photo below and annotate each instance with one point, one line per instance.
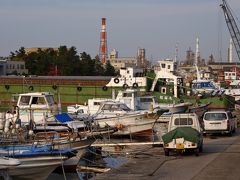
(109, 69)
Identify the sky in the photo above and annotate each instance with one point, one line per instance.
(156, 25)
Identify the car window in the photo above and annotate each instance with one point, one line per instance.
(215, 116)
(183, 121)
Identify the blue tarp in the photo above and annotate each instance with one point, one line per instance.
(63, 118)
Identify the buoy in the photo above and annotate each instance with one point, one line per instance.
(54, 87)
(104, 88)
(125, 86)
(116, 80)
(120, 126)
(79, 88)
(135, 85)
(30, 88)
(7, 87)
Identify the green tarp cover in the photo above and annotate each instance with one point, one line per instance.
(188, 133)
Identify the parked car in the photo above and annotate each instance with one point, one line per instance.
(219, 121)
(184, 133)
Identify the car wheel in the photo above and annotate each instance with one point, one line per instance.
(230, 133)
(201, 148)
(196, 151)
(234, 130)
(166, 152)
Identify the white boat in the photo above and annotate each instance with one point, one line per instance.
(8, 163)
(131, 97)
(203, 86)
(127, 121)
(36, 168)
(149, 102)
(34, 106)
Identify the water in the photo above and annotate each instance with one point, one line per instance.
(91, 158)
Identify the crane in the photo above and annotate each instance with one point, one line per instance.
(232, 26)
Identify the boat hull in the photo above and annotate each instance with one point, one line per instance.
(36, 167)
(128, 125)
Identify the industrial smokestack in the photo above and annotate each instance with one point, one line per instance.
(103, 42)
(197, 55)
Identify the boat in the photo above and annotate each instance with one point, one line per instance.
(8, 163)
(129, 77)
(133, 99)
(36, 162)
(200, 86)
(127, 121)
(35, 106)
(199, 109)
(204, 86)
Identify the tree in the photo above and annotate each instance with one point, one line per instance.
(109, 69)
(65, 61)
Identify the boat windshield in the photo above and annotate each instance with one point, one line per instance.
(198, 85)
(146, 99)
(115, 107)
(38, 100)
(50, 99)
(24, 100)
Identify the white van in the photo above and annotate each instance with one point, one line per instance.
(219, 122)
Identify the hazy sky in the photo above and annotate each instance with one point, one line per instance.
(156, 25)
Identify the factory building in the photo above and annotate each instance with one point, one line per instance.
(122, 62)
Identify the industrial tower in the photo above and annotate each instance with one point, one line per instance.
(103, 42)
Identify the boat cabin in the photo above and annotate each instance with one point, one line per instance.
(35, 100)
(37, 106)
(201, 86)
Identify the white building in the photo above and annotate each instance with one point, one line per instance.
(8, 67)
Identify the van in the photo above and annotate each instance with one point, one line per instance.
(220, 121)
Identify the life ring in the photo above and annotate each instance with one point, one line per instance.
(104, 88)
(7, 87)
(79, 88)
(125, 86)
(30, 88)
(54, 87)
(135, 85)
(116, 80)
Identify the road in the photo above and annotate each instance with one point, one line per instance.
(220, 159)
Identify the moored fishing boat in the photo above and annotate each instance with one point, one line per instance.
(36, 163)
(127, 121)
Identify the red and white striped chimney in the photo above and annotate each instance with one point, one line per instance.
(103, 42)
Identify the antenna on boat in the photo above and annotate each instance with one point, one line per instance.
(59, 104)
